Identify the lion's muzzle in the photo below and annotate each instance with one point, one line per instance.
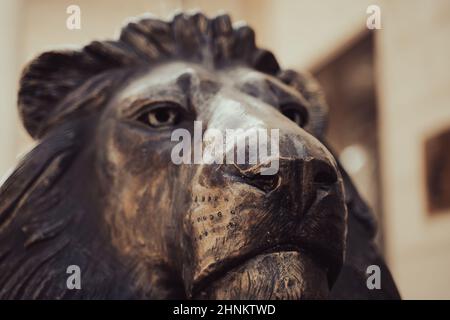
(253, 236)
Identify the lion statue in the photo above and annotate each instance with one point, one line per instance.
(100, 190)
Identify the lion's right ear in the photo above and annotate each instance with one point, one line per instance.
(48, 79)
(45, 82)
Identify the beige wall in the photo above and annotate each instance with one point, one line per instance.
(413, 62)
(9, 66)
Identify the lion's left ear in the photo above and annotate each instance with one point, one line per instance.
(311, 90)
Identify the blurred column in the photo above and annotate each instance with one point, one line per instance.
(414, 82)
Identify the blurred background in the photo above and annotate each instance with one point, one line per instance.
(388, 91)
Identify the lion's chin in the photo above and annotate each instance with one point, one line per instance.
(287, 275)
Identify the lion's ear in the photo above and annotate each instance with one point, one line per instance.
(48, 79)
(45, 82)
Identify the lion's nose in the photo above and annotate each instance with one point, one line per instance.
(252, 175)
(302, 179)
(324, 173)
(300, 176)
(320, 173)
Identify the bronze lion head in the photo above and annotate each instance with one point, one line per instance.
(100, 189)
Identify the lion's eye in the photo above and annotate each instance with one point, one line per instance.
(295, 113)
(162, 115)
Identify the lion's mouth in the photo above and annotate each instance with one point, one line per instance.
(298, 252)
(282, 272)
(267, 266)
(222, 268)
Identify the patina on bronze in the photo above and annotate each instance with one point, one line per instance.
(100, 190)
